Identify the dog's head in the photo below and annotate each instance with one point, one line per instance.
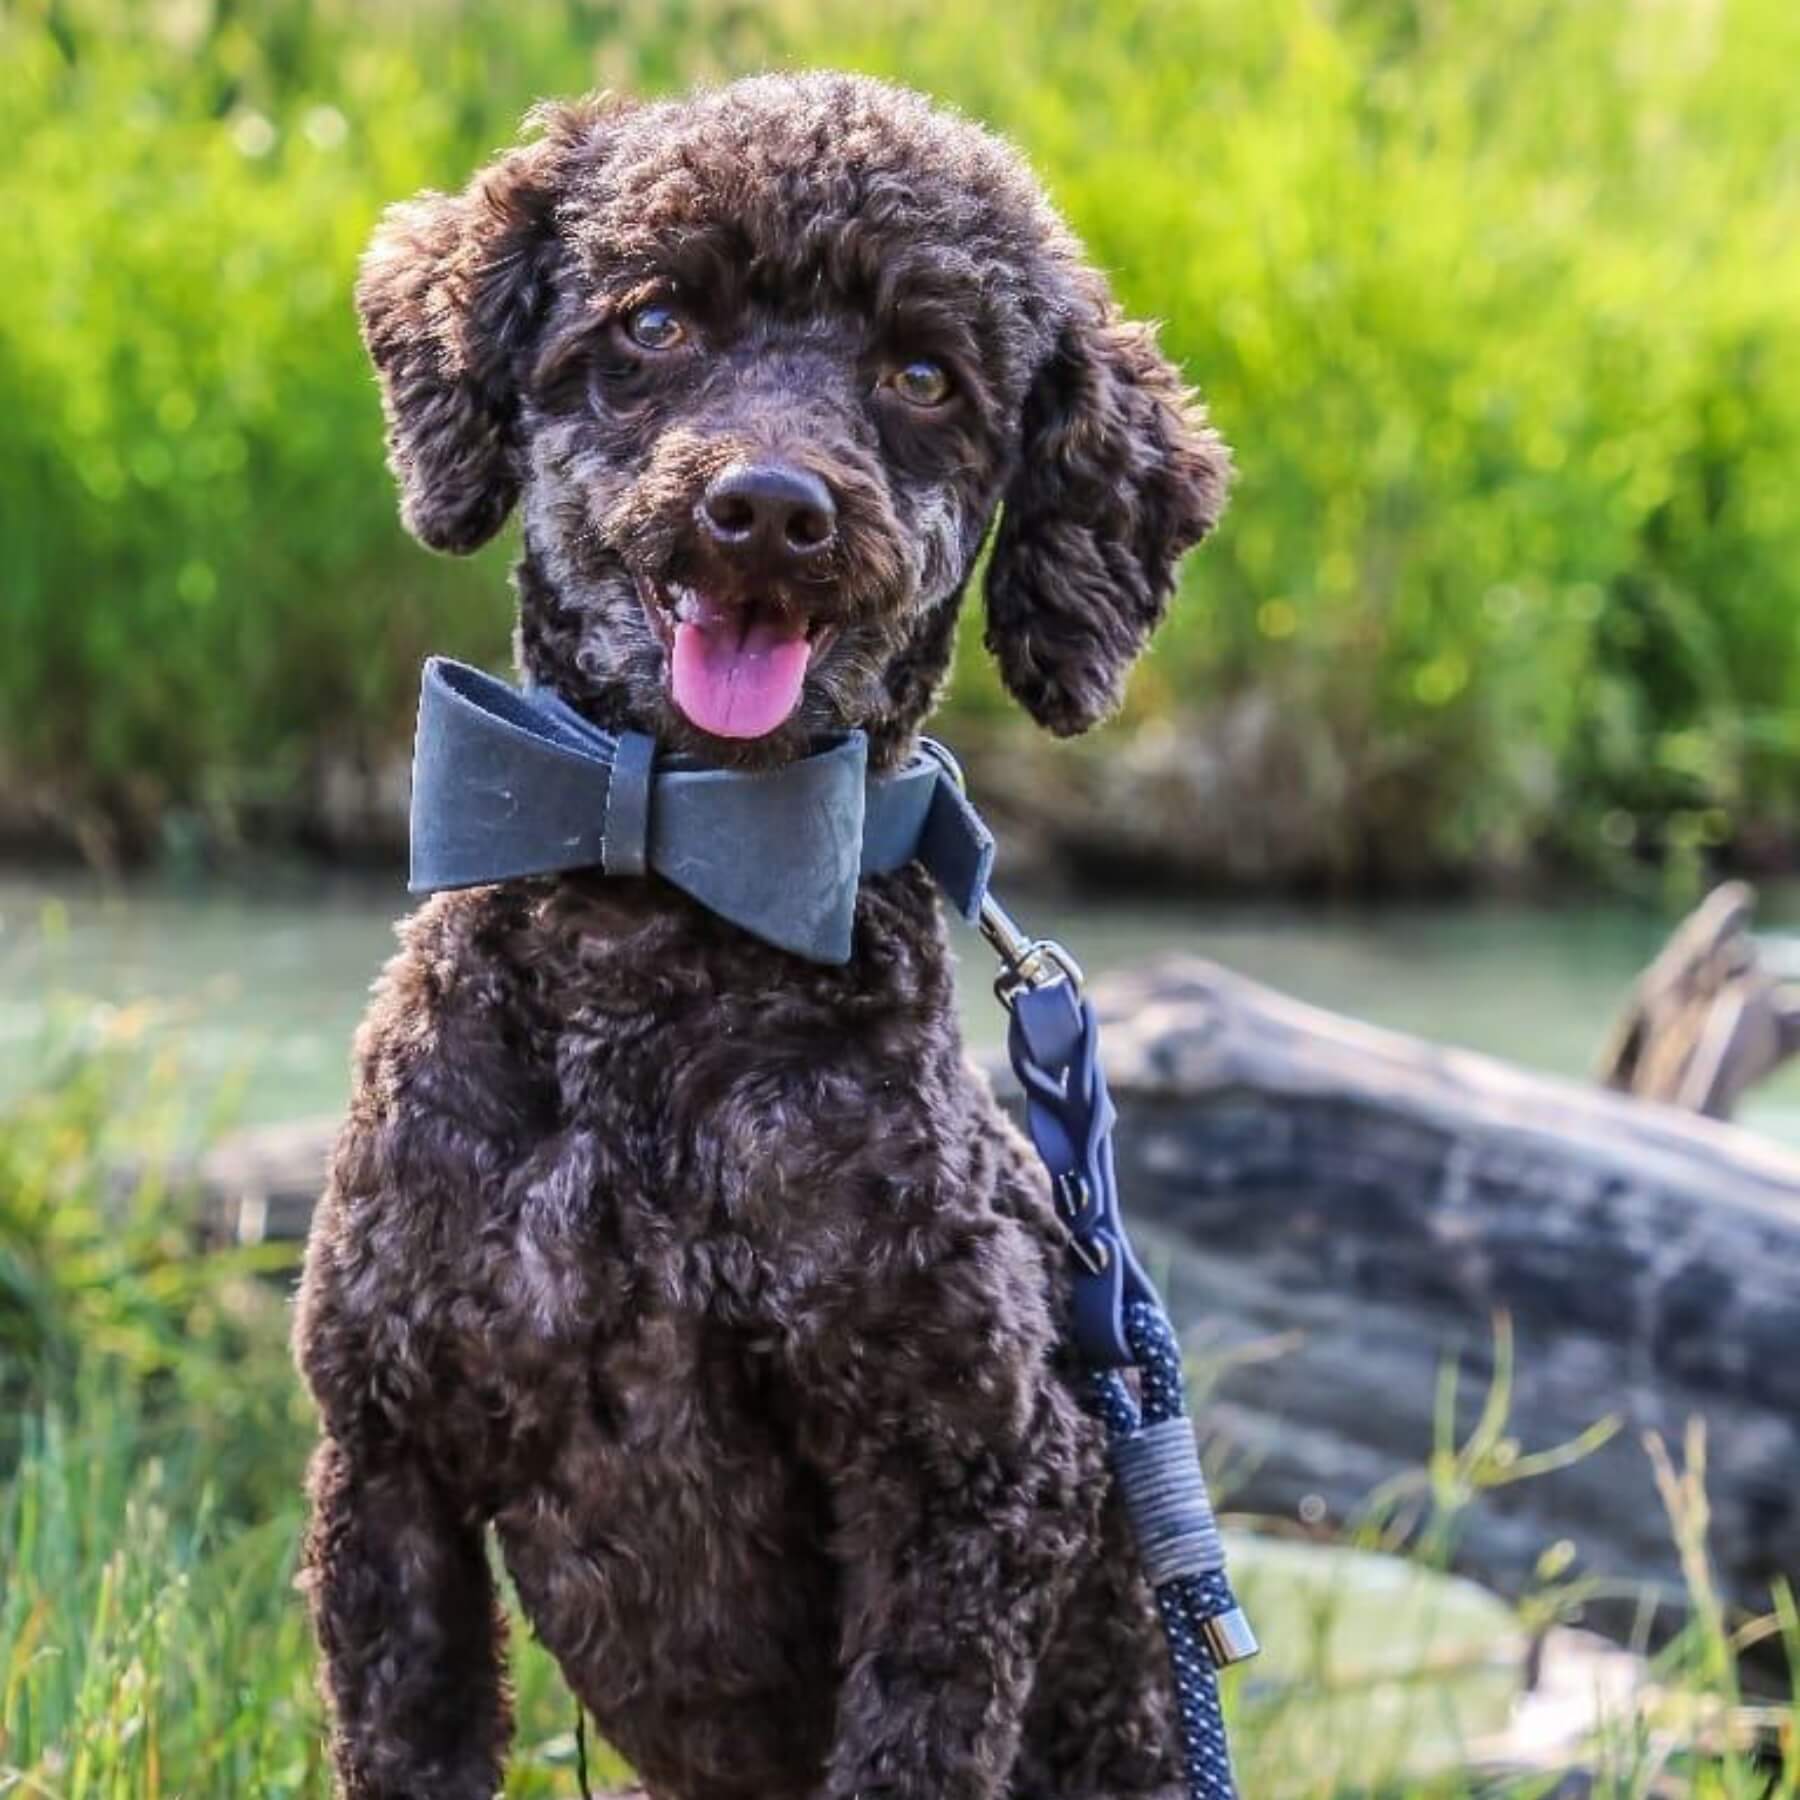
(758, 367)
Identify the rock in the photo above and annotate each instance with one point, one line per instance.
(1338, 1213)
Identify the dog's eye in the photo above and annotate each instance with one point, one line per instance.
(654, 327)
(921, 383)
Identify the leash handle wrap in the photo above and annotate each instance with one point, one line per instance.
(1158, 1470)
(1119, 1323)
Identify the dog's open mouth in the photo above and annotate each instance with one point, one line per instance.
(736, 667)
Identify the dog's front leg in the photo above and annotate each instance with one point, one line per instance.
(404, 1606)
(966, 1492)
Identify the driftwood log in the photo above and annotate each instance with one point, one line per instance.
(1373, 1202)
(1711, 1017)
(1337, 1211)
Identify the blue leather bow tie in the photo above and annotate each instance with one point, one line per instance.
(508, 784)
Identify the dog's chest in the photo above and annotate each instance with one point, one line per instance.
(715, 1161)
(714, 1205)
(728, 1192)
(720, 1154)
(779, 1116)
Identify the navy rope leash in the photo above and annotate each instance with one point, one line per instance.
(1186, 1603)
(1119, 1323)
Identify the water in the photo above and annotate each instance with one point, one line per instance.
(266, 982)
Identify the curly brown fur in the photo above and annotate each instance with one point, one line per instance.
(714, 1282)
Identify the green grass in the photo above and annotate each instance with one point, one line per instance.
(152, 1440)
(1500, 300)
(152, 1646)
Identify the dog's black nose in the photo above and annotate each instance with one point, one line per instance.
(773, 508)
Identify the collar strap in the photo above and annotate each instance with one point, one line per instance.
(509, 784)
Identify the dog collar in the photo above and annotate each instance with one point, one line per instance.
(509, 784)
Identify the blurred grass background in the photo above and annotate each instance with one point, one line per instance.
(1499, 302)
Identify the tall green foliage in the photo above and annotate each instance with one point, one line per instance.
(1500, 303)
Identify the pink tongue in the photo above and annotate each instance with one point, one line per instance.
(737, 672)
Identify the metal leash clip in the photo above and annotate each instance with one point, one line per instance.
(1026, 962)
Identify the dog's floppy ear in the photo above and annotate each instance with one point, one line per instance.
(1118, 474)
(451, 294)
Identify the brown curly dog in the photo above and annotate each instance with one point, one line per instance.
(712, 1280)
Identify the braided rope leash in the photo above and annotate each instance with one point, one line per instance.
(1159, 1470)
(1119, 1323)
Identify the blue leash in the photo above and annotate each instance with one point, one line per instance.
(1119, 1323)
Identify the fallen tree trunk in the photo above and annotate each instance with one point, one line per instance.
(1337, 1211)
(1373, 1202)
